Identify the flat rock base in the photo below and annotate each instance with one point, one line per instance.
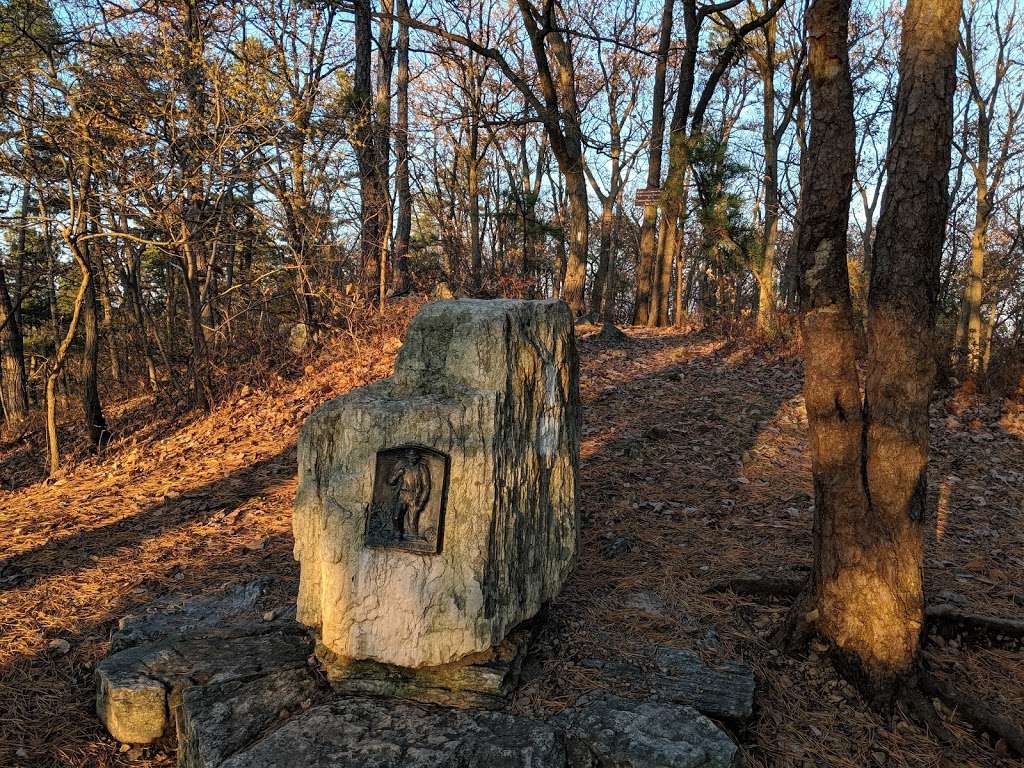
(229, 690)
(482, 681)
(601, 731)
(179, 645)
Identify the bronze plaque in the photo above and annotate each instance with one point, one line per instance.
(410, 487)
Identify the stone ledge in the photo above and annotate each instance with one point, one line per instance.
(179, 642)
(482, 680)
(243, 696)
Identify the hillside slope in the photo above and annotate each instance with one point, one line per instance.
(694, 471)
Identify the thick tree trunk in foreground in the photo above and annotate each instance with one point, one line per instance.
(902, 309)
(870, 459)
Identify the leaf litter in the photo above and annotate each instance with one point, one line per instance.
(694, 469)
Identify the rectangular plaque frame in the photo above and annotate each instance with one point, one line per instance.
(410, 492)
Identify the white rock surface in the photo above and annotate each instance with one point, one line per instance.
(493, 385)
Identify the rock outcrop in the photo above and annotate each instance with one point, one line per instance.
(184, 643)
(229, 690)
(603, 729)
(436, 510)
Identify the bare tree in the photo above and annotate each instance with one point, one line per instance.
(996, 142)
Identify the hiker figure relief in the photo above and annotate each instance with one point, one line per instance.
(407, 508)
(410, 479)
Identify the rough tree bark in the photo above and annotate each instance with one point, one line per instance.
(562, 121)
(373, 170)
(648, 229)
(870, 458)
(13, 383)
(95, 423)
(765, 273)
(403, 194)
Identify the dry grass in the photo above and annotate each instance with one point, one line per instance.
(694, 469)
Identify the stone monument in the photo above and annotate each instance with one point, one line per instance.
(436, 510)
(435, 516)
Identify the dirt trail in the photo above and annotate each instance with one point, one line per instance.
(694, 469)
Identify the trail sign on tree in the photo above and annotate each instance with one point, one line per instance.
(648, 196)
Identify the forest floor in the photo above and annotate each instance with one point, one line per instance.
(694, 470)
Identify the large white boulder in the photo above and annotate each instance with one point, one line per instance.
(437, 509)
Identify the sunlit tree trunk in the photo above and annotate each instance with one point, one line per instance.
(765, 273)
(994, 107)
(974, 292)
(870, 458)
(566, 139)
(903, 303)
(56, 363)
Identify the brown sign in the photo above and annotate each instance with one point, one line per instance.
(648, 196)
(410, 486)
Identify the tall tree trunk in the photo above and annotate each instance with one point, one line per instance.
(831, 383)
(403, 194)
(56, 365)
(680, 306)
(870, 459)
(648, 229)
(13, 382)
(568, 147)
(113, 347)
(971, 332)
(133, 293)
(765, 274)
(200, 379)
(672, 225)
(597, 296)
(373, 173)
(902, 308)
(611, 281)
(473, 201)
(96, 425)
(574, 282)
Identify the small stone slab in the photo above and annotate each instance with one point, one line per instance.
(215, 721)
(678, 676)
(138, 688)
(725, 691)
(202, 616)
(482, 680)
(371, 733)
(603, 729)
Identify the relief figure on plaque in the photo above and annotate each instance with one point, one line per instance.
(410, 480)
